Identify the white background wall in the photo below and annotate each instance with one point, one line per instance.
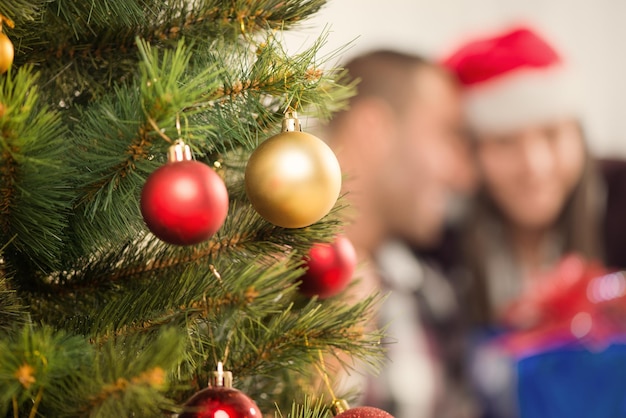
(590, 33)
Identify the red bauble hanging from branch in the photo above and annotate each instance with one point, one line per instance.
(329, 268)
(220, 400)
(364, 412)
(184, 202)
(341, 409)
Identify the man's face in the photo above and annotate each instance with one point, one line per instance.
(428, 162)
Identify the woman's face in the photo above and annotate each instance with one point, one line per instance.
(530, 173)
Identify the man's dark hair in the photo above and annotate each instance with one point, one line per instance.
(386, 75)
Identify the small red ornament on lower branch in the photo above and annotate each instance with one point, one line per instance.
(329, 268)
(341, 410)
(220, 400)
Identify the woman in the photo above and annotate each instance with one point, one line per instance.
(542, 197)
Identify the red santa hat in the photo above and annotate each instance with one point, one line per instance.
(513, 79)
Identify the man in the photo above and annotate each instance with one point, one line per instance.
(401, 148)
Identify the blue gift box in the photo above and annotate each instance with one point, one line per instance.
(573, 382)
(566, 380)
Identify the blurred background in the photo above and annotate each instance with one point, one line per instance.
(590, 34)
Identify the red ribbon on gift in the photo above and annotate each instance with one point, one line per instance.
(577, 302)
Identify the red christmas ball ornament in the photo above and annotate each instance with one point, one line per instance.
(364, 412)
(220, 400)
(341, 409)
(329, 268)
(184, 202)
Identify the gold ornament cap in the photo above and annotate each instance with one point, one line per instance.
(339, 406)
(179, 152)
(291, 123)
(221, 378)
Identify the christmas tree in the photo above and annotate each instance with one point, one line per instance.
(98, 316)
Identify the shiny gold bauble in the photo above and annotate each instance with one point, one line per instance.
(293, 179)
(6, 53)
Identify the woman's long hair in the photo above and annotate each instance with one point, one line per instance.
(578, 227)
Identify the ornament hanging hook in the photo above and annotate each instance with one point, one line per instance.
(338, 405)
(289, 108)
(324, 374)
(242, 25)
(321, 368)
(178, 126)
(229, 338)
(158, 130)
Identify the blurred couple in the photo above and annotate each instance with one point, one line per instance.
(470, 178)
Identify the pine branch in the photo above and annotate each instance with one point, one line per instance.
(126, 19)
(13, 314)
(93, 282)
(268, 84)
(35, 193)
(246, 312)
(243, 302)
(118, 139)
(22, 10)
(330, 327)
(52, 374)
(197, 294)
(131, 376)
(94, 42)
(259, 350)
(36, 369)
(308, 409)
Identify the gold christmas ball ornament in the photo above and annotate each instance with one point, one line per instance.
(6, 53)
(293, 179)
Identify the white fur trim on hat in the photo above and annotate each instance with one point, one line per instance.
(522, 98)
